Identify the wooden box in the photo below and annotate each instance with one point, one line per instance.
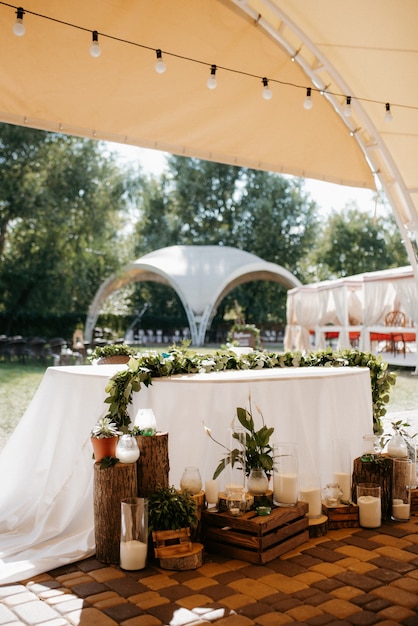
(342, 516)
(253, 538)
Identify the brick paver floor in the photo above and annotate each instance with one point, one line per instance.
(348, 577)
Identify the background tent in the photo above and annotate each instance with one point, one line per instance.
(364, 55)
(356, 306)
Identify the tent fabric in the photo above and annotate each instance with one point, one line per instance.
(200, 275)
(356, 303)
(48, 80)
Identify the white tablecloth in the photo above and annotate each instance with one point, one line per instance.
(46, 499)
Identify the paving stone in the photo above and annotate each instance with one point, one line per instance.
(339, 608)
(274, 619)
(256, 571)
(347, 593)
(320, 620)
(72, 604)
(409, 584)
(397, 613)
(392, 564)
(356, 553)
(323, 554)
(328, 585)
(89, 565)
(237, 601)
(89, 617)
(288, 568)
(6, 615)
(365, 583)
(397, 596)
(304, 613)
(384, 575)
(227, 577)
(389, 540)
(254, 588)
(218, 592)
(122, 612)
(104, 574)
(89, 588)
(286, 603)
(255, 609)
(202, 582)
(159, 581)
(142, 620)
(148, 599)
(317, 597)
(364, 618)
(35, 612)
(233, 620)
(126, 586)
(327, 569)
(396, 553)
(11, 590)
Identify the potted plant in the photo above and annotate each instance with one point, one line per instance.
(112, 353)
(104, 439)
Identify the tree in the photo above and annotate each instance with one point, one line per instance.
(61, 208)
(354, 242)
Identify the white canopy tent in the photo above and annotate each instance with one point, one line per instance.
(365, 55)
(356, 304)
(200, 275)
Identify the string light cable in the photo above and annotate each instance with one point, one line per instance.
(95, 50)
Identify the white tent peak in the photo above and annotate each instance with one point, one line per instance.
(200, 275)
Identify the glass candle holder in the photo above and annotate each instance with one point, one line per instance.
(191, 480)
(212, 493)
(235, 467)
(127, 450)
(146, 422)
(285, 475)
(341, 464)
(134, 533)
(401, 490)
(236, 501)
(369, 501)
(310, 492)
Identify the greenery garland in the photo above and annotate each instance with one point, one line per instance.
(180, 360)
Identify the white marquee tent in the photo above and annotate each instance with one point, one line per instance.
(200, 275)
(356, 304)
(362, 54)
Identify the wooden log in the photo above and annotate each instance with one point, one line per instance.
(181, 562)
(153, 464)
(377, 471)
(318, 526)
(110, 486)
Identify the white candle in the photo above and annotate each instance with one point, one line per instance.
(133, 554)
(343, 479)
(285, 488)
(313, 497)
(370, 511)
(400, 509)
(211, 491)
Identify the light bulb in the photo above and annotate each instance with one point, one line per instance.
(95, 49)
(211, 82)
(19, 27)
(388, 114)
(308, 104)
(347, 107)
(160, 66)
(267, 93)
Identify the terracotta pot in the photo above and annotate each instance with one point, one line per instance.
(104, 447)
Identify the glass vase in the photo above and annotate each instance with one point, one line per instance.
(257, 483)
(134, 533)
(285, 475)
(191, 480)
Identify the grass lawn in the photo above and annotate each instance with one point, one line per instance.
(18, 384)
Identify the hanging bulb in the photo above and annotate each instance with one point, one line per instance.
(211, 82)
(19, 27)
(388, 114)
(267, 93)
(347, 107)
(95, 49)
(160, 66)
(308, 104)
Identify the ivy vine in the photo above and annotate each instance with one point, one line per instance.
(181, 360)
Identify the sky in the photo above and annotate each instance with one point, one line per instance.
(328, 196)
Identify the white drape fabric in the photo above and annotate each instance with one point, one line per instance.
(46, 503)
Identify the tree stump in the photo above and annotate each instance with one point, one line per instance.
(111, 485)
(153, 464)
(379, 471)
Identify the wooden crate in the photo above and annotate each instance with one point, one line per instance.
(253, 538)
(342, 516)
(414, 501)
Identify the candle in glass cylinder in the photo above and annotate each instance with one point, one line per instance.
(285, 474)
(343, 480)
(312, 496)
(370, 505)
(285, 489)
(133, 554)
(211, 491)
(400, 509)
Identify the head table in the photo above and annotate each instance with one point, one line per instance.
(46, 499)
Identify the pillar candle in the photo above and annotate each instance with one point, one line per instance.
(370, 511)
(344, 481)
(133, 554)
(400, 509)
(285, 488)
(211, 491)
(313, 497)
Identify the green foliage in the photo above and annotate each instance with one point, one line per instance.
(169, 509)
(144, 368)
(353, 242)
(114, 349)
(108, 461)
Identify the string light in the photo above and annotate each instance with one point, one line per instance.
(267, 92)
(19, 27)
(95, 49)
(347, 107)
(160, 66)
(211, 82)
(308, 104)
